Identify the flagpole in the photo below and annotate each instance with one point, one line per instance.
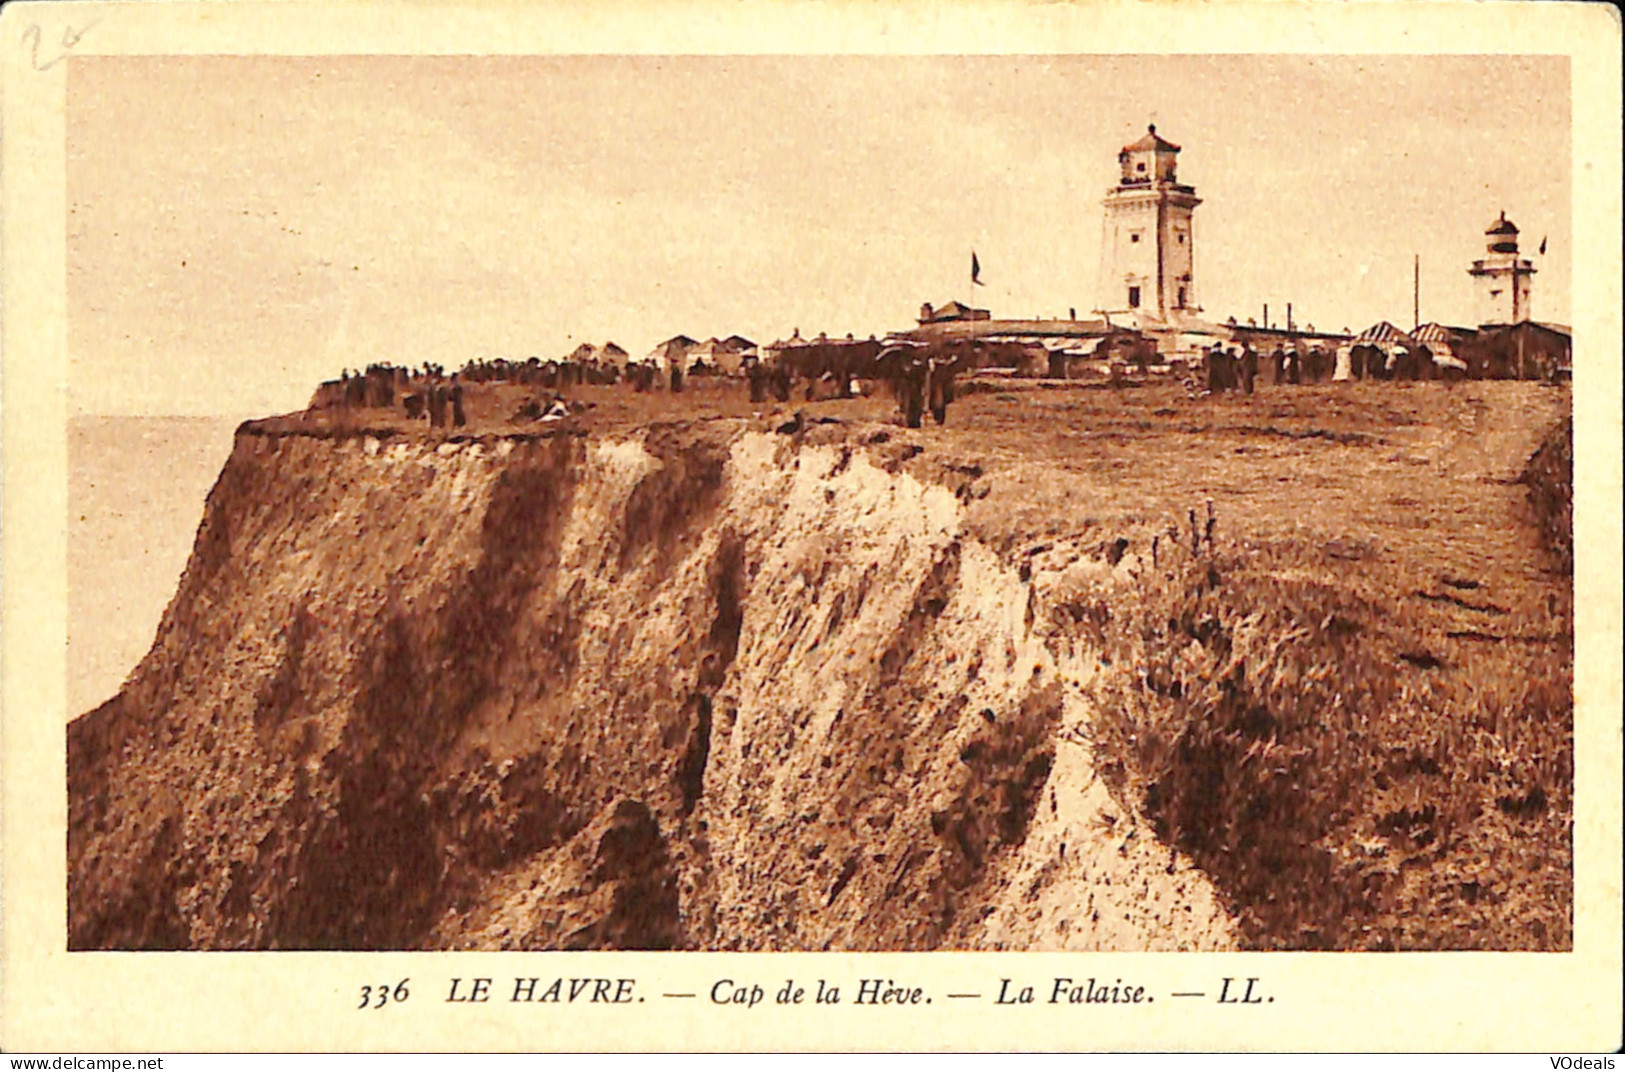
(1416, 294)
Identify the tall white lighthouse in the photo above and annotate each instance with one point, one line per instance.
(1501, 280)
(1148, 258)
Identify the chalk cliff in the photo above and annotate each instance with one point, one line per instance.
(697, 685)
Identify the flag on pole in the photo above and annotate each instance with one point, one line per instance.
(1543, 245)
(976, 270)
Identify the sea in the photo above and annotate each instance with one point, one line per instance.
(136, 489)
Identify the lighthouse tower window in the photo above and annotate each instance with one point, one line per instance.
(1133, 297)
(1182, 297)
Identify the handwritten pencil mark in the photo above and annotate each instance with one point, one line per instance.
(34, 37)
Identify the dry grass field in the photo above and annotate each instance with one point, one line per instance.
(1350, 700)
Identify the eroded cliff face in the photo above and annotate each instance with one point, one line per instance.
(698, 686)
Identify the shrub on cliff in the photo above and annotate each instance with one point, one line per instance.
(1549, 478)
(1294, 739)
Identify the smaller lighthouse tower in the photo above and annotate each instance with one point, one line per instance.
(1501, 279)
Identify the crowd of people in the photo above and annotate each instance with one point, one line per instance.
(424, 392)
(1406, 363)
(550, 374)
(1229, 369)
(764, 379)
(920, 375)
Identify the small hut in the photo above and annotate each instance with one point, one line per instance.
(722, 356)
(674, 349)
(611, 354)
(1528, 350)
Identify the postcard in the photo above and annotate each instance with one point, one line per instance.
(800, 527)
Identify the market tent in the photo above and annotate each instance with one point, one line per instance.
(1386, 338)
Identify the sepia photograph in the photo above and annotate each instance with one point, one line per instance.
(673, 500)
(820, 503)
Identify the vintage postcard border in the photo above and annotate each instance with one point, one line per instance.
(187, 1001)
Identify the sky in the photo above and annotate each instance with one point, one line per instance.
(241, 228)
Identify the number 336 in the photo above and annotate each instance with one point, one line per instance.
(377, 997)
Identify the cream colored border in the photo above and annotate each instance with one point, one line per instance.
(303, 1001)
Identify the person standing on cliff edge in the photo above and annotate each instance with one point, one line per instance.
(458, 418)
(437, 405)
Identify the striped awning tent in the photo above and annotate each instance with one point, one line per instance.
(1383, 333)
(1433, 334)
(1441, 343)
